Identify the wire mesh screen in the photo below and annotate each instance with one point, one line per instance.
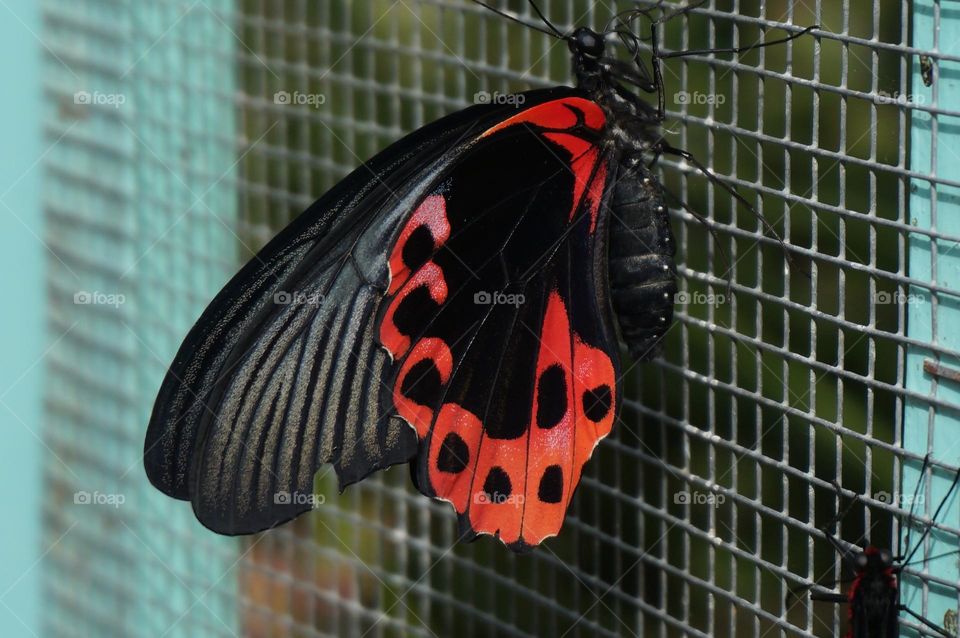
(784, 371)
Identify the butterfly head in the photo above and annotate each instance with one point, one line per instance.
(874, 560)
(586, 42)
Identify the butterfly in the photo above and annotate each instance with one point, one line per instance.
(455, 303)
(873, 595)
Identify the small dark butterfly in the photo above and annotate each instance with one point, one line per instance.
(454, 303)
(873, 594)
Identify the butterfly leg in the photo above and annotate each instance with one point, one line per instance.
(916, 492)
(928, 526)
(829, 597)
(931, 625)
(663, 147)
(829, 530)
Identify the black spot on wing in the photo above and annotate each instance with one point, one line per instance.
(418, 248)
(551, 485)
(597, 403)
(422, 383)
(551, 397)
(414, 311)
(453, 455)
(497, 485)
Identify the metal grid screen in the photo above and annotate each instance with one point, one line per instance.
(695, 517)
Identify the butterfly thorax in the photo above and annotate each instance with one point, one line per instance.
(633, 124)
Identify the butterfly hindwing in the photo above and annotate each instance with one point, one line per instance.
(497, 319)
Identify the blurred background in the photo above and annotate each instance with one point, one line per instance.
(152, 148)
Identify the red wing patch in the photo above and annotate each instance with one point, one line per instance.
(411, 271)
(519, 489)
(516, 484)
(584, 160)
(426, 230)
(556, 115)
(522, 488)
(429, 366)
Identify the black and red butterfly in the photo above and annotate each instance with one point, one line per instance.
(464, 290)
(873, 595)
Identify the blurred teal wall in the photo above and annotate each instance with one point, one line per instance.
(22, 328)
(934, 140)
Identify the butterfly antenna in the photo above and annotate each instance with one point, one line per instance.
(935, 627)
(552, 32)
(927, 559)
(713, 233)
(936, 515)
(744, 49)
(549, 24)
(768, 227)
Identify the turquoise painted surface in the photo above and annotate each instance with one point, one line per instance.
(182, 89)
(140, 202)
(22, 321)
(935, 149)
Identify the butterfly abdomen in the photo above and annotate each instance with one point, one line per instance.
(641, 267)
